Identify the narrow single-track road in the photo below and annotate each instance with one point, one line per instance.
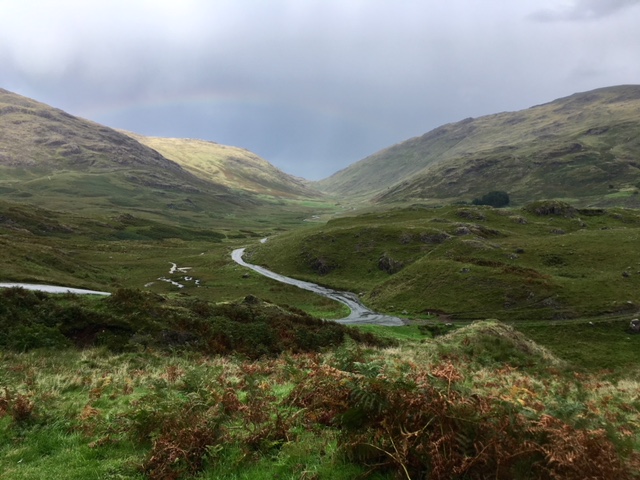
(359, 313)
(52, 288)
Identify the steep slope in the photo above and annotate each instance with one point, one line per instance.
(49, 157)
(235, 167)
(585, 147)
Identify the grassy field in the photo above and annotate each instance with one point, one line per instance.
(229, 376)
(197, 368)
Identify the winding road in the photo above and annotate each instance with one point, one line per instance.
(359, 313)
(52, 288)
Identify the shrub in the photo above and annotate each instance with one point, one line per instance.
(551, 207)
(436, 329)
(131, 320)
(423, 423)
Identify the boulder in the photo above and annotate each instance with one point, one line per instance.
(389, 265)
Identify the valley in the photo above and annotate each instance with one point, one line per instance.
(503, 350)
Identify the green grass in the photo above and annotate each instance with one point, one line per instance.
(590, 346)
(234, 167)
(465, 263)
(106, 252)
(208, 382)
(404, 333)
(53, 159)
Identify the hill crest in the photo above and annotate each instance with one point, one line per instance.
(234, 167)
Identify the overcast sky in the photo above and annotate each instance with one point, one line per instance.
(310, 85)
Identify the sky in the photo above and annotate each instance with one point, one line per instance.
(312, 86)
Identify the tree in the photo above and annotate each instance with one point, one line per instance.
(496, 198)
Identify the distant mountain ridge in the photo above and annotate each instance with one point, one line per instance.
(584, 148)
(234, 167)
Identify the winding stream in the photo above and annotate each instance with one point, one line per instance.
(359, 313)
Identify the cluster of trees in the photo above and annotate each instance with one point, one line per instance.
(496, 198)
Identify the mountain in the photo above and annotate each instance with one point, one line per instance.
(51, 158)
(584, 148)
(234, 167)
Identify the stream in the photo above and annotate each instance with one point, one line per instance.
(359, 313)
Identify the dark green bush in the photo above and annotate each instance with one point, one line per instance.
(131, 320)
(435, 329)
(496, 198)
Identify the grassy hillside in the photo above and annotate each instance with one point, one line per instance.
(35, 135)
(234, 167)
(209, 381)
(546, 261)
(583, 147)
(50, 158)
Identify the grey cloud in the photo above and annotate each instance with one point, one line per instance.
(581, 10)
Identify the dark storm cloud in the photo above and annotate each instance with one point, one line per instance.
(309, 85)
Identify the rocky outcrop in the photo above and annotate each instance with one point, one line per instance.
(389, 265)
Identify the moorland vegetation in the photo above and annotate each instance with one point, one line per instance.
(545, 261)
(181, 384)
(187, 389)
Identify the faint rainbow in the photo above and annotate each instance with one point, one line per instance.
(329, 110)
(185, 100)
